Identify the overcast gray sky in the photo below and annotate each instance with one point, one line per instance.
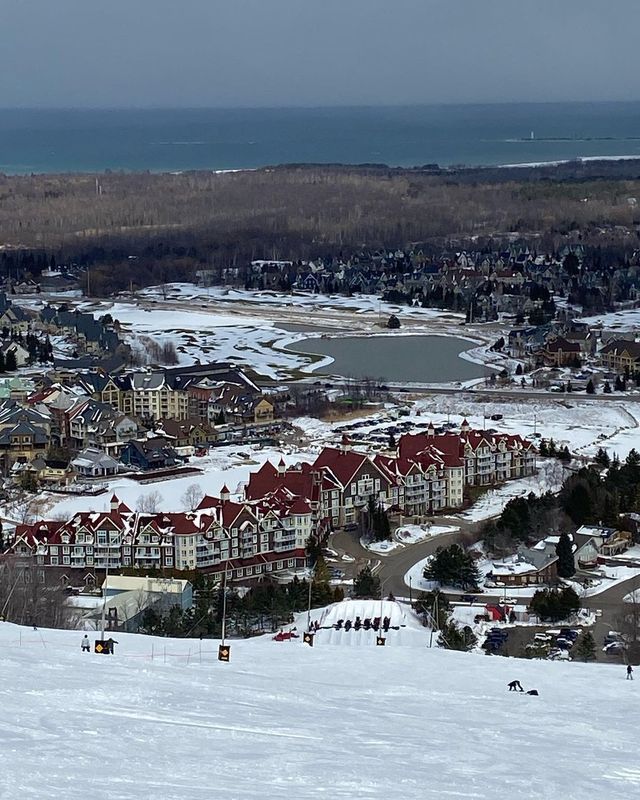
(315, 52)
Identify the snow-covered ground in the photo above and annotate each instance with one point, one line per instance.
(407, 535)
(163, 719)
(627, 321)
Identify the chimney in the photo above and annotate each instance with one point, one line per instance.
(114, 503)
(225, 494)
(431, 431)
(465, 426)
(282, 467)
(345, 444)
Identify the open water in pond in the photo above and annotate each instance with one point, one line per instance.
(402, 359)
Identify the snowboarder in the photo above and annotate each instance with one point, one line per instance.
(515, 686)
(86, 644)
(629, 672)
(111, 642)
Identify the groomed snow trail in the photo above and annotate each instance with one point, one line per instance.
(288, 721)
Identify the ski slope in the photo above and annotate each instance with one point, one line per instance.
(163, 719)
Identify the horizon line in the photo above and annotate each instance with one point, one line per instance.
(314, 107)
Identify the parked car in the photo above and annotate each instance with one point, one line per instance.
(542, 637)
(614, 648)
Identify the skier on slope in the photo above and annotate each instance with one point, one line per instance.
(86, 644)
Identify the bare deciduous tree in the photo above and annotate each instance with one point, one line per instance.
(149, 503)
(192, 496)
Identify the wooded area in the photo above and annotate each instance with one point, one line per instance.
(274, 211)
(174, 224)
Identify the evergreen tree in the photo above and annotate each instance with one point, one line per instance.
(554, 604)
(578, 504)
(454, 638)
(607, 387)
(602, 458)
(366, 584)
(321, 593)
(611, 509)
(435, 606)
(453, 566)
(393, 322)
(591, 389)
(564, 455)
(585, 648)
(10, 362)
(566, 561)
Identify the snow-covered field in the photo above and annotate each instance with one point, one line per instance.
(627, 321)
(288, 721)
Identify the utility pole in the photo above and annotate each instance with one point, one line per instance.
(309, 603)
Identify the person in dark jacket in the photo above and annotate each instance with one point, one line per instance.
(515, 686)
(629, 672)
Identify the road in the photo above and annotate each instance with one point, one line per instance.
(392, 568)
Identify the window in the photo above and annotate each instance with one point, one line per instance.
(126, 561)
(291, 562)
(54, 561)
(354, 489)
(66, 560)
